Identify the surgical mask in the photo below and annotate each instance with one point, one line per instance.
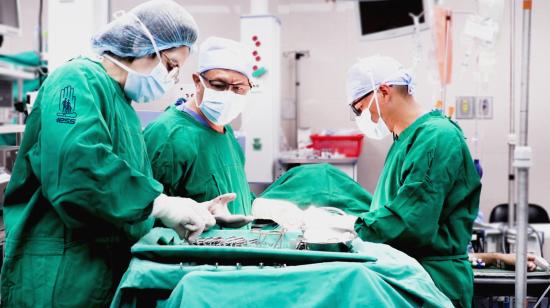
(378, 130)
(145, 88)
(221, 107)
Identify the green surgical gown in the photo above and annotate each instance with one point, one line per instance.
(320, 185)
(80, 194)
(192, 160)
(426, 201)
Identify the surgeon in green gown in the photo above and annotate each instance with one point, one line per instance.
(427, 196)
(192, 146)
(82, 190)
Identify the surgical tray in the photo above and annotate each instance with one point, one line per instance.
(267, 248)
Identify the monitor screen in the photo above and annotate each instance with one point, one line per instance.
(382, 15)
(9, 15)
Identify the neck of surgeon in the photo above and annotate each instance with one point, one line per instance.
(115, 72)
(401, 113)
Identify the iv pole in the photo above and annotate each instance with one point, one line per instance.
(445, 63)
(297, 54)
(512, 138)
(522, 161)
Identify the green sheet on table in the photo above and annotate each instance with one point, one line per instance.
(394, 280)
(321, 185)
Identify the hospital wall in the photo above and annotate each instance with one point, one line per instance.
(330, 32)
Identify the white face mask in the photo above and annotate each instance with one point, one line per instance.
(221, 107)
(378, 130)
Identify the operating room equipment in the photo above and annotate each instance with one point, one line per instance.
(523, 155)
(7, 157)
(442, 30)
(243, 246)
(260, 31)
(10, 20)
(293, 159)
(296, 55)
(417, 54)
(15, 79)
(512, 137)
(334, 246)
(233, 221)
(379, 20)
(231, 241)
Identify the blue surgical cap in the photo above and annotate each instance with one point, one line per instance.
(169, 23)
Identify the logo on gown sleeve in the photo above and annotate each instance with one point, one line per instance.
(67, 106)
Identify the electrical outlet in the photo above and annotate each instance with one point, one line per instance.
(484, 108)
(465, 107)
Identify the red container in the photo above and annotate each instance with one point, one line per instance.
(347, 145)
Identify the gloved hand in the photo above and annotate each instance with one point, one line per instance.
(328, 225)
(186, 216)
(218, 208)
(218, 205)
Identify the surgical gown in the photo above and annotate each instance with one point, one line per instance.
(80, 194)
(426, 201)
(192, 160)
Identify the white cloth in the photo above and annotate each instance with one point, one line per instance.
(217, 52)
(285, 213)
(320, 225)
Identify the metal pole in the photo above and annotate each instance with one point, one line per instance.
(298, 54)
(522, 158)
(512, 136)
(296, 98)
(445, 63)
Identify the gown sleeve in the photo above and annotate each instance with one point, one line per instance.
(81, 175)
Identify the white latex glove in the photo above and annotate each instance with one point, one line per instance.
(186, 216)
(218, 205)
(328, 225)
(287, 214)
(218, 208)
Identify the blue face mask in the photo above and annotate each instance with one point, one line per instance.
(145, 88)
(221, 107)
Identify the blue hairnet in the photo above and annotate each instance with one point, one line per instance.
(169, 23)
